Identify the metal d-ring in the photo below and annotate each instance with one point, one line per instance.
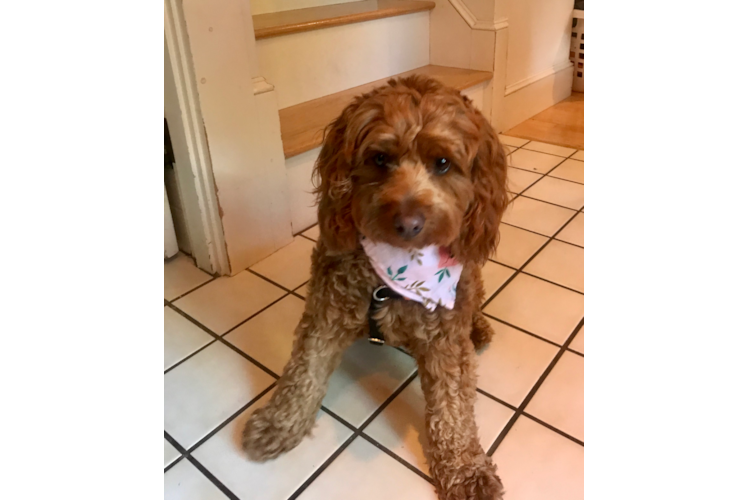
(375, 294)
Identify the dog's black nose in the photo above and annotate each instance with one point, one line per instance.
(408, 226)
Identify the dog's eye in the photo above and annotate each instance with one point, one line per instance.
(441, 165)
(380, 159)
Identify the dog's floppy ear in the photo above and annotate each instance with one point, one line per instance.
(334, 187)
(480, 227)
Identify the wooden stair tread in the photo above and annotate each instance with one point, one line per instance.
(314, 18)
(302, 125)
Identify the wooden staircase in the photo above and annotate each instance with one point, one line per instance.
(320, 58)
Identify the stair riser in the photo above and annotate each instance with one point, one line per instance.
(267, 6)
(302, 203)
(312, 64)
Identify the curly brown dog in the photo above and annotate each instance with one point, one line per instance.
(410, 164)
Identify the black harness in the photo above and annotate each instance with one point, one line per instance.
(380, 295)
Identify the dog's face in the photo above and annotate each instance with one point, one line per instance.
(412, 164)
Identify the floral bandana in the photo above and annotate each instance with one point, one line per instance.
(428, 275)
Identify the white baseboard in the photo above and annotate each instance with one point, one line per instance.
(529, 97)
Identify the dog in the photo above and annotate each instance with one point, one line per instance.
(409, 170)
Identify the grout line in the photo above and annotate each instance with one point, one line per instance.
(307, 237)
(561, 178)
(520, 410)
(205, 472)
(212, 279)
(575, 352)
(553, 282)
(287, 290)
(544, 201)
(549, 426)
(225, 342)
(305, 230)
(532, 417)
(213, 479)
(544, 142)
(572, 244)
(322, 467)
(523, 330)
(387, 401)
(356, 432)
(399, 459)
(517, 272)
(494, 398)
(528, 230)
(361, 434)
(190, 355)
(238, 412)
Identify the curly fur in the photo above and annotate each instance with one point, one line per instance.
(411, 121)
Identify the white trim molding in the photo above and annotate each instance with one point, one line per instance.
(473, 22)
(510, 89)
(203, 212)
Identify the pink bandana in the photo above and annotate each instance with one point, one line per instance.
(428, 275)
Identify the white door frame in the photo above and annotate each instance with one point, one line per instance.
(193, 168)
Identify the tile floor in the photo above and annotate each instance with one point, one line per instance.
(226, 340)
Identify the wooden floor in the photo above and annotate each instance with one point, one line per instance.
(562, 124)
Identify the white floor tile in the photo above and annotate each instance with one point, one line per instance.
(170, 453)
(185, 482)
(401, 426)
(363, 472)
(512, 363)
(558, 191)
(560, 263)
(227, 301)
(579, 155)
(533, 161)
(512, 141)
(536, 216)
(181, 276)
(536, 463)
(550, 149)
(312, 232)
(208, 388)
(366, 377)
(276, 479)
(268, 337)
(516, 245)
(518, 180)
(182, 337)
(290, 266)
(494, 275)
(574, 231)
(539, 307)
(571, 170)
(578, 343)
(560, 399)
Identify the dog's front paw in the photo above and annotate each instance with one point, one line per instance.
(266, 436)
(474, 483)
(263, 438)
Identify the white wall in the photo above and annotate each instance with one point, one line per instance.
(539, 38)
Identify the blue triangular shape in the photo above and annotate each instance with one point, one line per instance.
(709, 395)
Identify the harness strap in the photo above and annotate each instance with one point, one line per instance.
(378, 298)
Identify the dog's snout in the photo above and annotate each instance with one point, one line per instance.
(408, 226)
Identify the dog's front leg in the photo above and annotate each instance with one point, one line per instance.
(290, 414)
(459, 466)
